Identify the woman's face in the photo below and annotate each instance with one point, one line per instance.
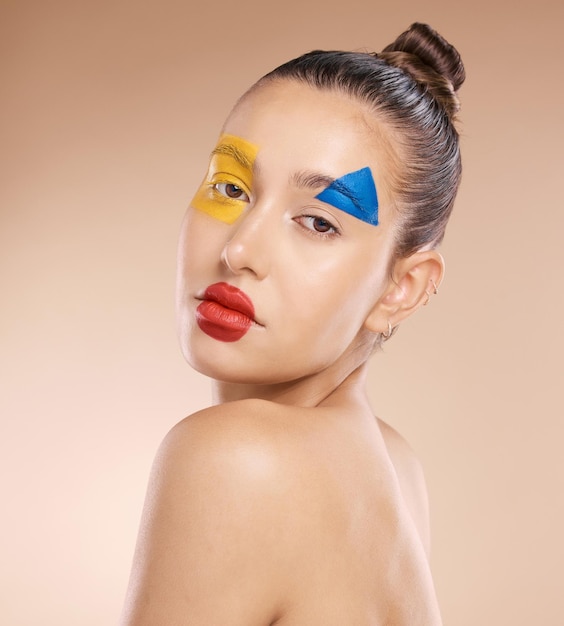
(310, 269)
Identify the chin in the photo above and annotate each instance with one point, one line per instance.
(240, 369)
(224, 364)
(231, 371)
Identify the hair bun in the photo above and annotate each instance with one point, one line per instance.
(420, 49)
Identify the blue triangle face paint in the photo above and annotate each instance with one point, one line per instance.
(355, 194)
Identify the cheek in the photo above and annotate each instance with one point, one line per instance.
(330, 302)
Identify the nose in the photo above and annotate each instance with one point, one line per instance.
(248, 249)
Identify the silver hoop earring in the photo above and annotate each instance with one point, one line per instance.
(435, 288)
(388, 333)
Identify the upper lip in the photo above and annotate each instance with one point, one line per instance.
(230, 297)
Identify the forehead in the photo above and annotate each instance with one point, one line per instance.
(298, 127)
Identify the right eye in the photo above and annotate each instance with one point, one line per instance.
(232, 191)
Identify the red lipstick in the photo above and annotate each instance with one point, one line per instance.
(225, 313)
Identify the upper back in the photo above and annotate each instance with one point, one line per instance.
(283, 515)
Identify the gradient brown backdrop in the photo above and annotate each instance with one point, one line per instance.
(108, 112)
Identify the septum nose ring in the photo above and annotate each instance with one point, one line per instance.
(224, 258)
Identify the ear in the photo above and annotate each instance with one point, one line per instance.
(414, 280)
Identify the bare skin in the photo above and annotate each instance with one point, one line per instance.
(288, 502)
(261, 513)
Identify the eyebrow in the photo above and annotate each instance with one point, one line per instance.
(230, 150)
(315, 180)
(311, 180)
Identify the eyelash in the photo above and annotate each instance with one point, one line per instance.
(330, 234)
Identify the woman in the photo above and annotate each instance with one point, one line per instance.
(312, 237)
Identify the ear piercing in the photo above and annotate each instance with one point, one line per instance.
(435, 292)
(390, 330)
(388, 333)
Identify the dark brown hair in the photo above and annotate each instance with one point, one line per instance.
(411, 85)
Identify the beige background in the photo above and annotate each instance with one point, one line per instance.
(108, 112)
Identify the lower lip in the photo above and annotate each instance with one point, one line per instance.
(222, 323)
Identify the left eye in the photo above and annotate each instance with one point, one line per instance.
(319, 225)
(229, 190)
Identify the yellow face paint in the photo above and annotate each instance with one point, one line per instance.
(230, 172)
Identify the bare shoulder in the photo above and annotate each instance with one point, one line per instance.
(249, 420)
(204, 546)
(247, 499)
(242, 442)
(411, 479)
